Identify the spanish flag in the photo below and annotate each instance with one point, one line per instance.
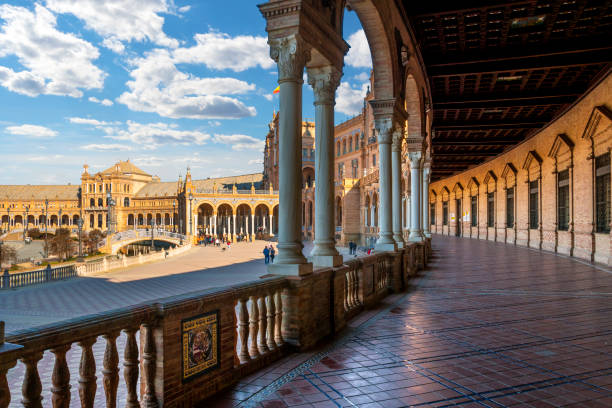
(276, 90)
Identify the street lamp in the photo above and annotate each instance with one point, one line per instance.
(80, 225)
(25, 230)
(190, 216)
(173, 212)
(59, 221)
(8, 211)
(109, 218)
(152, 234)
(46, 226)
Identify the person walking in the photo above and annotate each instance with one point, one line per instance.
(266, 253)
(272, 253)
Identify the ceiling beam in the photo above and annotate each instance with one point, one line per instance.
(489, 125)
(476, 142)
(468, 153)
(504, 64)
(505, 100)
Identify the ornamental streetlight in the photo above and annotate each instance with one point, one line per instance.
(190, 216)
(59, 221)
(46, 228)
(25, 230)
(173, 212)
(109, 217)
(152, 234)
(80, 225)
(8, 211)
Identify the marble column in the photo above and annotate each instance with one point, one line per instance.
(233, 227)
(396, 178)
(426, 175)
(384, 130)
(324, 81)
(214, 226)
(252, 227)
(415, 199)
(291, 54)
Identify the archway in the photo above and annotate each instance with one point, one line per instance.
(224, 221)
(65, 220)
(75, 219)
(308, 177)
(31, 221)
(140, 219)
(205, 219)
(262, 220)
(243, 221)
(18, 221)
(53, 220)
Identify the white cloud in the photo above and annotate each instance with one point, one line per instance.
(45, 159)
(239, 142)
(349, 100)
(120, 21)
(184, 9)
(158, 86)
(31, 131)
(214, 123)
(151, 135)
(105, 102)
(362, 77)
(56, 63)
(268, 96)
(88, 121)
(359, 55)
(256, 161)
(220, 51)
(106, 147)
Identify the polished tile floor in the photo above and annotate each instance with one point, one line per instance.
(486, 324)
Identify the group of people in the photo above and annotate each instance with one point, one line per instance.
(269, 254)
(352, 248)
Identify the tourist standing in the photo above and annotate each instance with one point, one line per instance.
(272, 253)
(266, 253)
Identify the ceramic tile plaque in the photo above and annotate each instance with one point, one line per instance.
(200, 344)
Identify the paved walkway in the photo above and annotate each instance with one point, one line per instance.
(486, 325)
(197, 269)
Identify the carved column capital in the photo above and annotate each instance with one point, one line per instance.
(291, 54)
(324, 82)
(384, 130)
(398, 138)
(415, 159)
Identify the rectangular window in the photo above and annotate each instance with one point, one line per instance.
(563, 200)
(510, 207)
(490, 209)
(445, 213)
(534, 218)
(474, 210)
(602, 193)
(373, 160)
(432, 213)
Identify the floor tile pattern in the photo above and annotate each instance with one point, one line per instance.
(486, 324)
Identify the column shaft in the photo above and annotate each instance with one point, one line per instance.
(396, 169)
(385, 240)
(426, 222)
(415, 199)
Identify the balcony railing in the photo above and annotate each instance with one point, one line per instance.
(248, 327)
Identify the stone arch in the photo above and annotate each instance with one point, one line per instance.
(414, 107)
(222, 205)
(308, 176)
(243, 218)
(380, 48)
(130, 220)
(65, 219)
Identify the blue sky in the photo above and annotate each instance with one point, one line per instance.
(164, 83)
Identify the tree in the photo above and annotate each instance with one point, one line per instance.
(92, 239)
(7, 254)
(35, 233)
(62, 244)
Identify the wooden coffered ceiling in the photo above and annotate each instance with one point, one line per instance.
(501, 70)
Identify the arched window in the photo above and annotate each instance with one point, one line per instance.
(92, 202)
(356, 142)
(338, 148)
(100, 202)
(344, 147)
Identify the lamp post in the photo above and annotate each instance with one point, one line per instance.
(59, 220)
(25, 230)
(152, 234)
(109, 217)
(46, 228)
(8, 211)
(190, 216)
(173, 212)
(80, 225)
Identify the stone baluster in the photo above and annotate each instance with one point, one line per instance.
(110, 370)
(5, 392)
(254, 327)
(243, 330)
(346, 291)
(130, 370)
(351, 286)
(148, 356)
(60, 379)
(263, 325)
(87, 373)
(31, 387)
(356, 287)
(271, 315)
(278, 334)
(349, 293)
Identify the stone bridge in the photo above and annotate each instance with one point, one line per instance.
(114, 242)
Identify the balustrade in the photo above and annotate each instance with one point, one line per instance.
(257, 332)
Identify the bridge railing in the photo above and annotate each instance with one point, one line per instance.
(145, 234)
(209, 339)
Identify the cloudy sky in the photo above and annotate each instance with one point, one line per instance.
(164, 83)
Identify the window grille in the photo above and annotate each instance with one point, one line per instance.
(490, 210)
(474, 211)
(510, 207)
(602, 194)
(534, 218)
(563, 200)
(445, 213)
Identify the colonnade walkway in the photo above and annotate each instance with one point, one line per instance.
(486, 324)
